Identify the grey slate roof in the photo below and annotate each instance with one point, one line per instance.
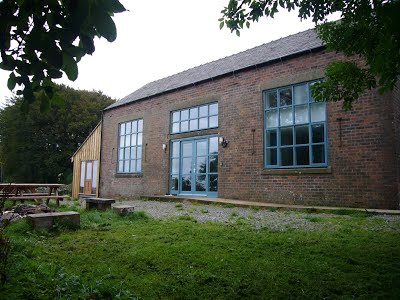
(291, 45)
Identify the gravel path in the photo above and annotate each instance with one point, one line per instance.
(275, 220)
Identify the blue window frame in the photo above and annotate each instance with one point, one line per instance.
(295, 128)
(195, 118)
(130, 135)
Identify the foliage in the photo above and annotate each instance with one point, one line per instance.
(369, 29)
(37, 147)
(41, 39)
(4, 255)
(123, 257)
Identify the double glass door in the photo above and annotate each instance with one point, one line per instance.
(194, 167)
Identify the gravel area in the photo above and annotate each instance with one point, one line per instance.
(275, 220)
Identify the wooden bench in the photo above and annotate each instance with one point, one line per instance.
(71, 219)
(36, 198)
(99, 203)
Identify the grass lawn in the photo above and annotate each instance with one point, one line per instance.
(113, 257)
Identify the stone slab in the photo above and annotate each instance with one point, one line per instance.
(47, 220)
(123, 209)
(99, 203)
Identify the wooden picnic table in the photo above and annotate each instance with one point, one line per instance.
(28, 191)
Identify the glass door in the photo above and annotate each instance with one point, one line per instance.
(194, 167)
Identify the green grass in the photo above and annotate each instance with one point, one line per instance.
(114, 257)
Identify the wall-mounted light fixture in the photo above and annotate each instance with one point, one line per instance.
(223, 142)
(164, 147)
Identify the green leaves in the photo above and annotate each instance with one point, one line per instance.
(44, 35)
(70, 67)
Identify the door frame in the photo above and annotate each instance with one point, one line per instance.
(194, 157)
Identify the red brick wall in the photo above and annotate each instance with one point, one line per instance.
(396, 123)
(363, 172)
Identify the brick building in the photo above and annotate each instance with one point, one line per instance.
(246, 127)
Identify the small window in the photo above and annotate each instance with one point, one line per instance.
(130, 140)
(295, 128)
(195, 118)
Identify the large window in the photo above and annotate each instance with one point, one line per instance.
(295, 128)
(130, 146)
(195, 118)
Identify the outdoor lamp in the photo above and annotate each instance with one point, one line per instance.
(223, 142)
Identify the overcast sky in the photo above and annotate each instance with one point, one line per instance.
(160, 38)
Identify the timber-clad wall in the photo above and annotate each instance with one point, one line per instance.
(89, 150)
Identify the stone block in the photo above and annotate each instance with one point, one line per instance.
(99, 203)
(69, 219)
(123, 209)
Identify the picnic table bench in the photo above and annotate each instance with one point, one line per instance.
(28, 191)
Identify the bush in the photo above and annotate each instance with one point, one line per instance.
(4, 253)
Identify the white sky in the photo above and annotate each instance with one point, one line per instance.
(163, 38)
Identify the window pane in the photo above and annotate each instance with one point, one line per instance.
(303, 156)
(194, 125)
(175, 166)
(122, 129)
(175, 127)
(272, 118)
(134, 126)
(285, 97)
(126, 166)
(318, 153)
(133, 166)
(140, 126)
(203, 111)
(139, 165)
(271, 138)
(121, 154)
(201, 165)
(213, 145)
(127, 140)
(271, 100)
(133, 152)
(286, 116)
(127, 153)
(175, 116)
(139, 138)
(89, 170)
(139, 152)
(318, 112)
(174, 183)
(201, 183)
(318, 134)
(175, 149)
(186, 165)
(213, 183)
(186, 183)
(203, 123)
(201, 148)
(194, 112)
(83, 164)
(187, 149)
(122, 141)
(134, 139)
(213, 164)
(213, 121)
(301, 114)
(287, 136)
(128, 128)
(311, 97)
(301, 94)
(214, 109)
(272, 158)
(184, 126)
(184, 114)
(302, 136)
(121, 166)
(287, 156)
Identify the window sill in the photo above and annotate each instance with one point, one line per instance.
(297, 171)
(128, 175)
